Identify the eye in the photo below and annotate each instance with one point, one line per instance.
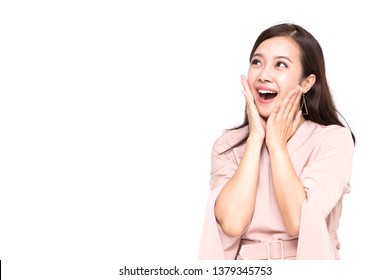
(281, 64)
(256, 62)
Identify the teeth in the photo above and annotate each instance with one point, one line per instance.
(266, 91)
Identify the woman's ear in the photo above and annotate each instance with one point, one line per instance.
(308, 82)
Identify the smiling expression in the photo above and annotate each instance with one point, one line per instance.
(274, 71)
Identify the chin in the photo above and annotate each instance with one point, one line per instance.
(264, 113)
(264, 116)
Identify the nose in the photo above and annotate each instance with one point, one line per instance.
(265, 75)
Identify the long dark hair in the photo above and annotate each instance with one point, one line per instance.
(319, 101)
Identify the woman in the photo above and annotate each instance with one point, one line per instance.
(277, 180)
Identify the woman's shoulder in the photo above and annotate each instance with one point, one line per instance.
(229, 138)
(332, 133)
(325, 129)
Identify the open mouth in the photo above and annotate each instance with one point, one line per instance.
(267, 94)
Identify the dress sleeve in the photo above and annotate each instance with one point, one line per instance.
(215, 244)
(326, 180)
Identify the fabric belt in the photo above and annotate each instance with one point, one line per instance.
(267, 250)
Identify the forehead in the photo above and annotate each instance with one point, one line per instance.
(279, 46)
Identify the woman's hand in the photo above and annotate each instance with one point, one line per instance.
(256, 122)
(289, 191)
(236, 202)
(285, 119)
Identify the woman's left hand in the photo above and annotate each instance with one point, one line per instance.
(285, 119)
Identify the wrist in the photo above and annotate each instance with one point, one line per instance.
(276, 147)
(255, 138)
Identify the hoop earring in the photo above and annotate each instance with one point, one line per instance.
(304, 110)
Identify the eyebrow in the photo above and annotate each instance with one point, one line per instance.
(276, 57)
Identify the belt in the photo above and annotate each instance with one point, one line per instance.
(267, 250)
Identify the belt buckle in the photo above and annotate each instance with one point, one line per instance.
(281, 250)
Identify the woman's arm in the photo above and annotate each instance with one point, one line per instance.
(236, 202)
(289, 190)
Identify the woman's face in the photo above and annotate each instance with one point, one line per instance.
(274, 71)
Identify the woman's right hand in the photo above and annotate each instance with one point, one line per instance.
(236, 202)
(256, 123)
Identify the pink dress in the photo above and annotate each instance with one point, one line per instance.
(322, 157)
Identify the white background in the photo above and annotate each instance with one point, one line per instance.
(108, 111)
